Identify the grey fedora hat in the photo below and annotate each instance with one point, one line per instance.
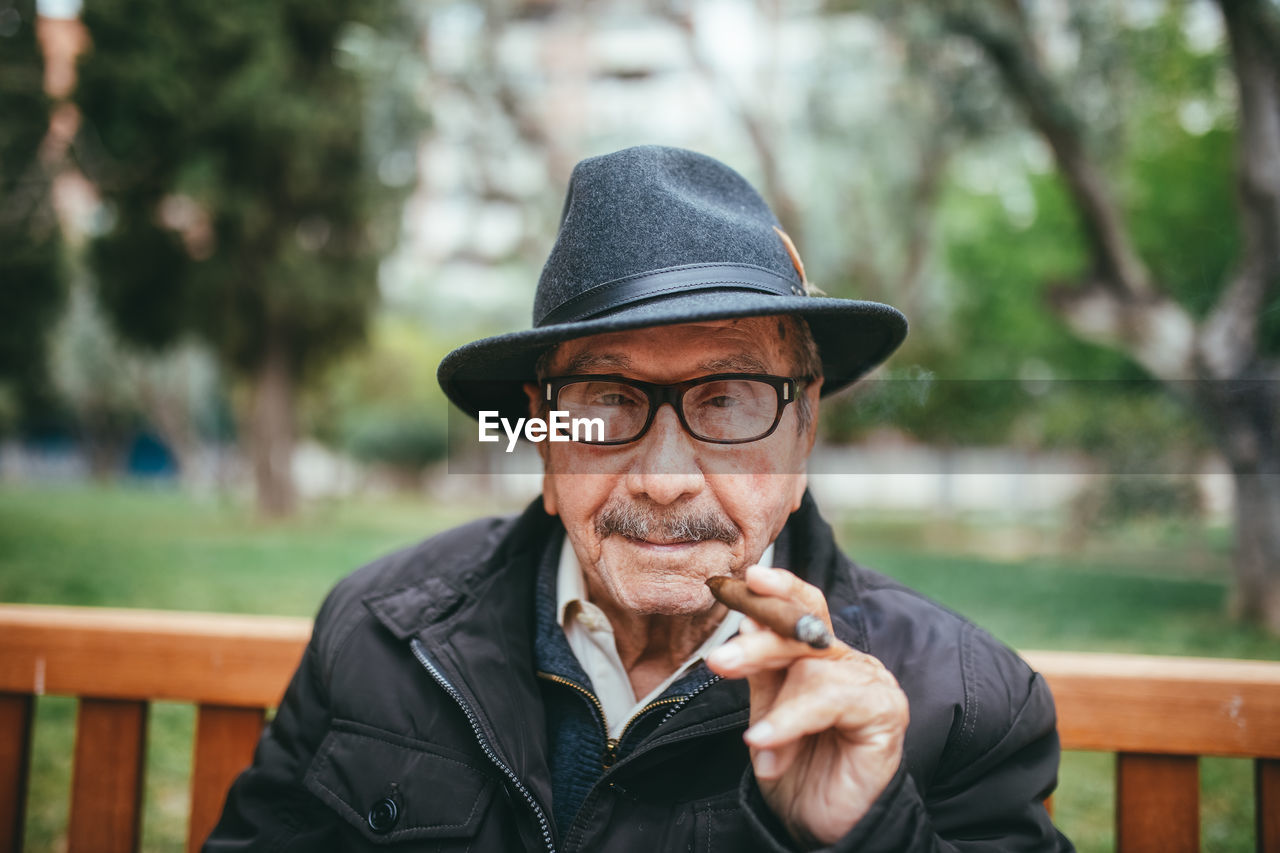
(654, 236)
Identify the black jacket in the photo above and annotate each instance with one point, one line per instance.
(415, 722)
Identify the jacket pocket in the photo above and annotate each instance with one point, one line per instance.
(720, 827)
(391, 788)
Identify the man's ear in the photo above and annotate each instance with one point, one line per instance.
(812, 392)
(537, 409)
(534, 393)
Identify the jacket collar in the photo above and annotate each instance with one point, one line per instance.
(444, 588)
(812, 554)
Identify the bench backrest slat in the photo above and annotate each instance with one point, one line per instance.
(225, 740)
(1157, 803)
(106, 778)
(16, 711)
(1266, 787)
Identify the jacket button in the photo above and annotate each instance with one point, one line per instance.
(382, 817)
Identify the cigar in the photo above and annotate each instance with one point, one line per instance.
(782, 617)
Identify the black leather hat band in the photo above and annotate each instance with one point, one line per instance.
(668, 282)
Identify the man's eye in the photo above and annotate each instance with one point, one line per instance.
(613, 400)
(721, 401)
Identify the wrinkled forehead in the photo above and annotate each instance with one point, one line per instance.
(744, 345)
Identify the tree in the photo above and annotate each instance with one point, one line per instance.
(1214, 347)
(31, 275)
(230, 144)
(383, 406)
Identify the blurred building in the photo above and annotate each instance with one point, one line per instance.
(516, 99)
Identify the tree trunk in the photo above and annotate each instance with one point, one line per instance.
(104, 440)
(1243, 416)
(271, 430)
(1256, 597)
(164, 403)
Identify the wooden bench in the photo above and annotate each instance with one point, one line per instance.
(1158, 714)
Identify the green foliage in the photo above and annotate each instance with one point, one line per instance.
(1004, 367)
(32, 281)
(1183, 203)
(1179, 184)
(26, 107)
(927, 407)
(242, 183)
(141, 265)
(407, 440)
(1132, 425)
(994, 364)
(1114, 501)
(1002, 263)
(382, 404)
(1146, 443)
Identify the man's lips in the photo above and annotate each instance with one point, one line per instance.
(672, 543)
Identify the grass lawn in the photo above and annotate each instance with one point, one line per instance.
(1154, 589)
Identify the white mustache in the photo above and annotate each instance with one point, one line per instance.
(639, 522)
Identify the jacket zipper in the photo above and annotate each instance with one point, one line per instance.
(674, 700)
(611, 743)
(543, 823)
(681, 700)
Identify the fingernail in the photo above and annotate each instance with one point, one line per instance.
(761, 731)
(726, 656)
(766, 763)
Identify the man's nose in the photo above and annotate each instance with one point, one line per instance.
(665, 467)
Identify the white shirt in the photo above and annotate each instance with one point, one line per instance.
(591, 637)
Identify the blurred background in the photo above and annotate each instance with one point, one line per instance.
(236, 238)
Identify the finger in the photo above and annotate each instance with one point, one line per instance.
(780, 583)
(761, 651)
(865, 703)
(861, 673)
(770, 764)
(764, 687)
(853, 679)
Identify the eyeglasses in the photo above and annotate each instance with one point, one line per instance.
(724, 408)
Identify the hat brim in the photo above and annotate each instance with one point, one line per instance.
(853, 337)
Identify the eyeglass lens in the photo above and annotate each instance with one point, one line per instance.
(720, 410)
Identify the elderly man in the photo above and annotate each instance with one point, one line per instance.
(565, 680)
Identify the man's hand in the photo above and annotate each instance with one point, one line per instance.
(826, 726)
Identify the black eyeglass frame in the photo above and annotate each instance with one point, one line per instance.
(784, 386)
